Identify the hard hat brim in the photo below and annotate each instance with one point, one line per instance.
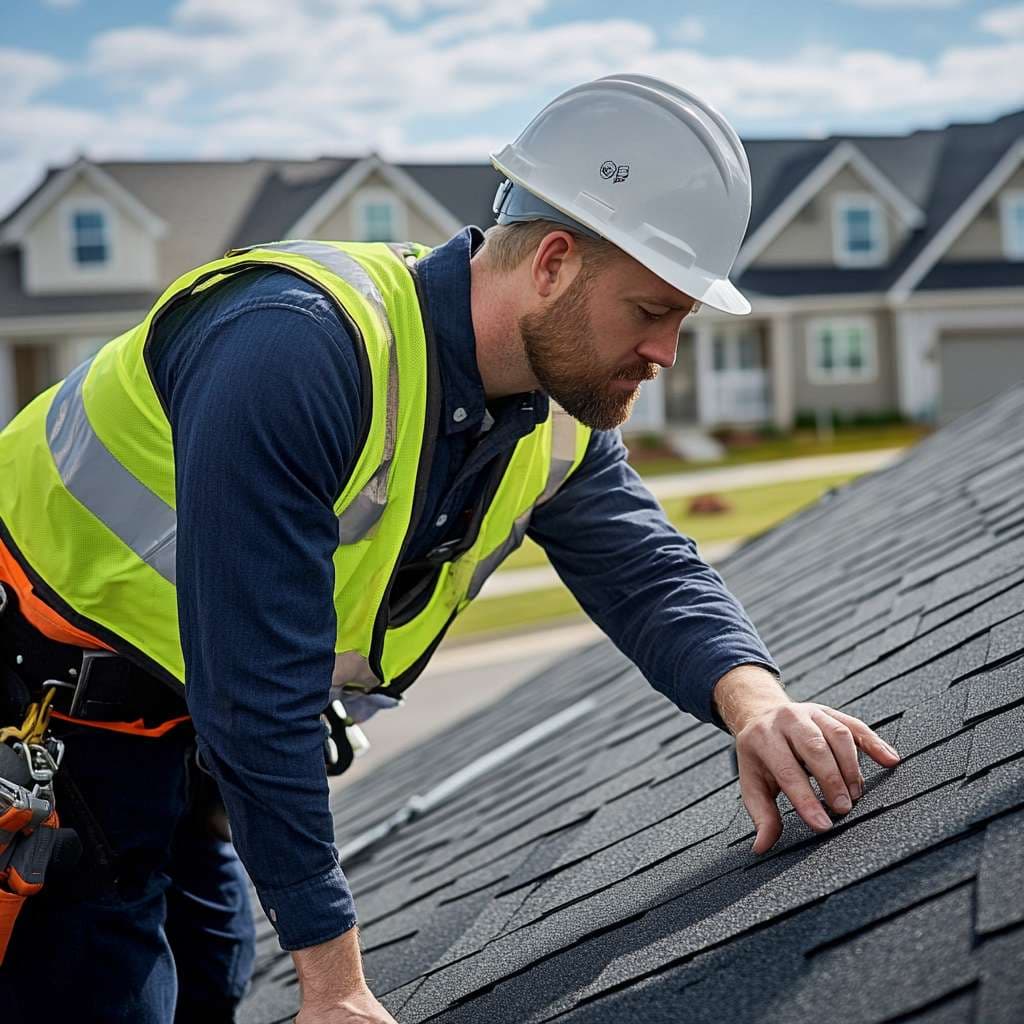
(717, 292)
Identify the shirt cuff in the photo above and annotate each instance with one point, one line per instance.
(310, 912)
(702, 668)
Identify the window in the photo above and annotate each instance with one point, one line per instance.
(1012, 211)
(378, 215)
(378, 222)
(841, 351)
(89, 237)
(860, 231)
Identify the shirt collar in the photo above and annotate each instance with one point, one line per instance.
(445, 276)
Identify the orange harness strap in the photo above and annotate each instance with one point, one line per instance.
(50, 624)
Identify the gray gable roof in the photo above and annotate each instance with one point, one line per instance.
(937, 170)
(604, 874)
(211, 206)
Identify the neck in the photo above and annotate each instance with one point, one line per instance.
(501, 359)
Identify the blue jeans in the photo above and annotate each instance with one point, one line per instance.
(175, 939)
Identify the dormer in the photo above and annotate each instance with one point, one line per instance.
(374, 201)
(84, 232)
(845, 213)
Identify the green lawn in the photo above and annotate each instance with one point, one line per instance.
(754, 509)
(799, 444)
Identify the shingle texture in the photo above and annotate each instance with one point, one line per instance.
(605, 873)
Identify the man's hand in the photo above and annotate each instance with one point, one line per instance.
(779, 743)
(334, 990)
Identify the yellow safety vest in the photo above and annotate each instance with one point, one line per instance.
(87, 500)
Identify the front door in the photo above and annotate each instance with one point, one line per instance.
(740, 388)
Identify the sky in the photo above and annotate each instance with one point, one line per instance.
(453, 80)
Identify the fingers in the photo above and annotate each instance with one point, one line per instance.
(844, 750)
(759, 800)
(792, 780)
(866, 738)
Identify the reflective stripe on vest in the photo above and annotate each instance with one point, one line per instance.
(563, 455)
(129, 509)
(142, 519)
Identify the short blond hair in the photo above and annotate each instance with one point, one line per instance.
(506, 246)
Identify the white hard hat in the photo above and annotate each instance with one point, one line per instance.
(648, 166)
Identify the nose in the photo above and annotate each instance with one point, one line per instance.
(660, 346)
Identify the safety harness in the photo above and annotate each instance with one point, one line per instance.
(30, 834)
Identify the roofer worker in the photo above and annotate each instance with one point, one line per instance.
(285, 484)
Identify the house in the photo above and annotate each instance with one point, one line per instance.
(886, 273)
(578, 851)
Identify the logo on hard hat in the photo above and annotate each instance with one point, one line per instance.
(617, 172)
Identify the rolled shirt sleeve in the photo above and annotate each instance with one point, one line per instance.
(264, 404)
(643, 582)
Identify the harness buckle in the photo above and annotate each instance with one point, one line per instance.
(89, 658)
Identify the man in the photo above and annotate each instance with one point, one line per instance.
(297, 471)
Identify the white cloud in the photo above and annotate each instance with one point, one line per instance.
(348, 76)
(24, 74)
(1007, 22)
(689, 29)
(61, 5)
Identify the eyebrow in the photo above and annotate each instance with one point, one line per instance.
(651, 301)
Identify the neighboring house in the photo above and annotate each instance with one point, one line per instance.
(886, 273)
(578, 852)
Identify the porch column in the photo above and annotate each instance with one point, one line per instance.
(782, 369)
(8, 391)
(705, 373)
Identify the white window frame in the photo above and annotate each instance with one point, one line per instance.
(817, 326)
(377, 196)
(78, 204)
(1009, 201)
(877, 255)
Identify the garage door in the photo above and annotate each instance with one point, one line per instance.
(976, 367)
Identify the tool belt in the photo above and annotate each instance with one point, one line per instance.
(39, 679)
(93, 687)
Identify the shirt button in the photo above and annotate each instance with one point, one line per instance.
(459, 415)
(441, 520)
(273, 916)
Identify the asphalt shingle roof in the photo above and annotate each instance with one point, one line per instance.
(605, 873)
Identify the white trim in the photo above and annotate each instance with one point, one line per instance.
(376, 196)
(118, 195)
(843, 202)
(1007, 201)
(407, 187)
(846, 153)
(960, 219)
(66, 210)
(837, 324)
(19, 328)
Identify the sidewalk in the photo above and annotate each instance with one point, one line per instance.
(519, 581)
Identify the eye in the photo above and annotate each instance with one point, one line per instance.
(647, 315)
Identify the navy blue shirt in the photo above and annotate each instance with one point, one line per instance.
(262, 386)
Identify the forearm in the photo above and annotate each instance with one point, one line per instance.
(644, 583)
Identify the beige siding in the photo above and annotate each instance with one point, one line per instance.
(879, 394)
(342, 224)
(47, 259)
(982, 239)
(808, 239)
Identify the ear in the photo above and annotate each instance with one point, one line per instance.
(555, 264)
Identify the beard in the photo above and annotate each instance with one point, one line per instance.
(565, 361)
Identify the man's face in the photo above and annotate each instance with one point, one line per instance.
(592, 348)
